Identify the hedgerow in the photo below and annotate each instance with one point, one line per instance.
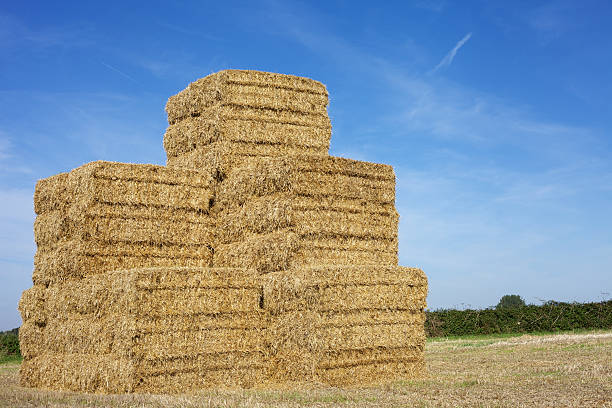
(551, 316)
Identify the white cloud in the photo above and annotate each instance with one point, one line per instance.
(448, 58)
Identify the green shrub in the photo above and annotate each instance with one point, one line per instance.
(551, 316)
(9, 343)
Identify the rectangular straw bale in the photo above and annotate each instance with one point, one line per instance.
(197, 132)
(308, 176)
(219, 158)
(139, 184)
(75, 259)
(79, 372)
(156, 322)
(101, 293)
(108, 373)
(110, 223)
(32, 304)
(280, 211)
(284, 249)
(51, 193)
(247, 88)
(346, 325)
(343, 288)
(91, 334)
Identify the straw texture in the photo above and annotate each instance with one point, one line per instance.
(106, 216)
(145, 324)
(347, 324)
(232, 115)
(286, 213)
(253, 258)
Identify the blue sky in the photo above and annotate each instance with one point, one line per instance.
(494, 114)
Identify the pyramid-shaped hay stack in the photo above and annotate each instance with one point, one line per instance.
(253, 258)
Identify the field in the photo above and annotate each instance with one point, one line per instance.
(561, 370)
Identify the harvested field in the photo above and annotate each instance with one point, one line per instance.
(568, 370)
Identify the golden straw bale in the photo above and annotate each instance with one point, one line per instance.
(109, 223)
(219, 158)
(51, 193)
(308, 176)
(343, 288)
(79, 372)
(284, 249)
(248, 88)
(207, 322)
(346, 324)
(75, 259)
(32, 304)
(197, 132)
(304, 217)
(139, 184)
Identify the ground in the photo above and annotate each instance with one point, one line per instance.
(561, 370)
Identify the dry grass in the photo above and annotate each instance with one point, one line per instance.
(572, 370)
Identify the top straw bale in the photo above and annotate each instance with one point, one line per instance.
(259, 89)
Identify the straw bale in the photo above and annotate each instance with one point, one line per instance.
(198, 132)
(89, 334)
(32, 304)
(263, 253)
(110, 374)
(99, 294)
(122, 223)
(127, 184)
(157, 322)
(139, 184)
(219, 158)
(279, 211)
(283, 250)
(345, 324)
(79, 372)
(75, 259)
(308, 176)
(248, 88)
(323, 288)
(357, 244)
(51, 193)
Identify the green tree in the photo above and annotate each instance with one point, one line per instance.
(508, 301)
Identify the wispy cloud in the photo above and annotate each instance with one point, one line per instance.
(117, 70)
(448, 58)
(15, 33)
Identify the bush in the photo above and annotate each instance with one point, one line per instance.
(551, 316)
(510, 301)
(9, 343)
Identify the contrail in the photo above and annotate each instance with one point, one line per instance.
(448, 59)
(118, 71)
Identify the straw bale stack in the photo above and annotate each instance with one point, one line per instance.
(149, 278)
(219, 120)
(148, 330)
(288, 212)
(106, 216)
(345, 325)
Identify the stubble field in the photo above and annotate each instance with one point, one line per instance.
(562, 370)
